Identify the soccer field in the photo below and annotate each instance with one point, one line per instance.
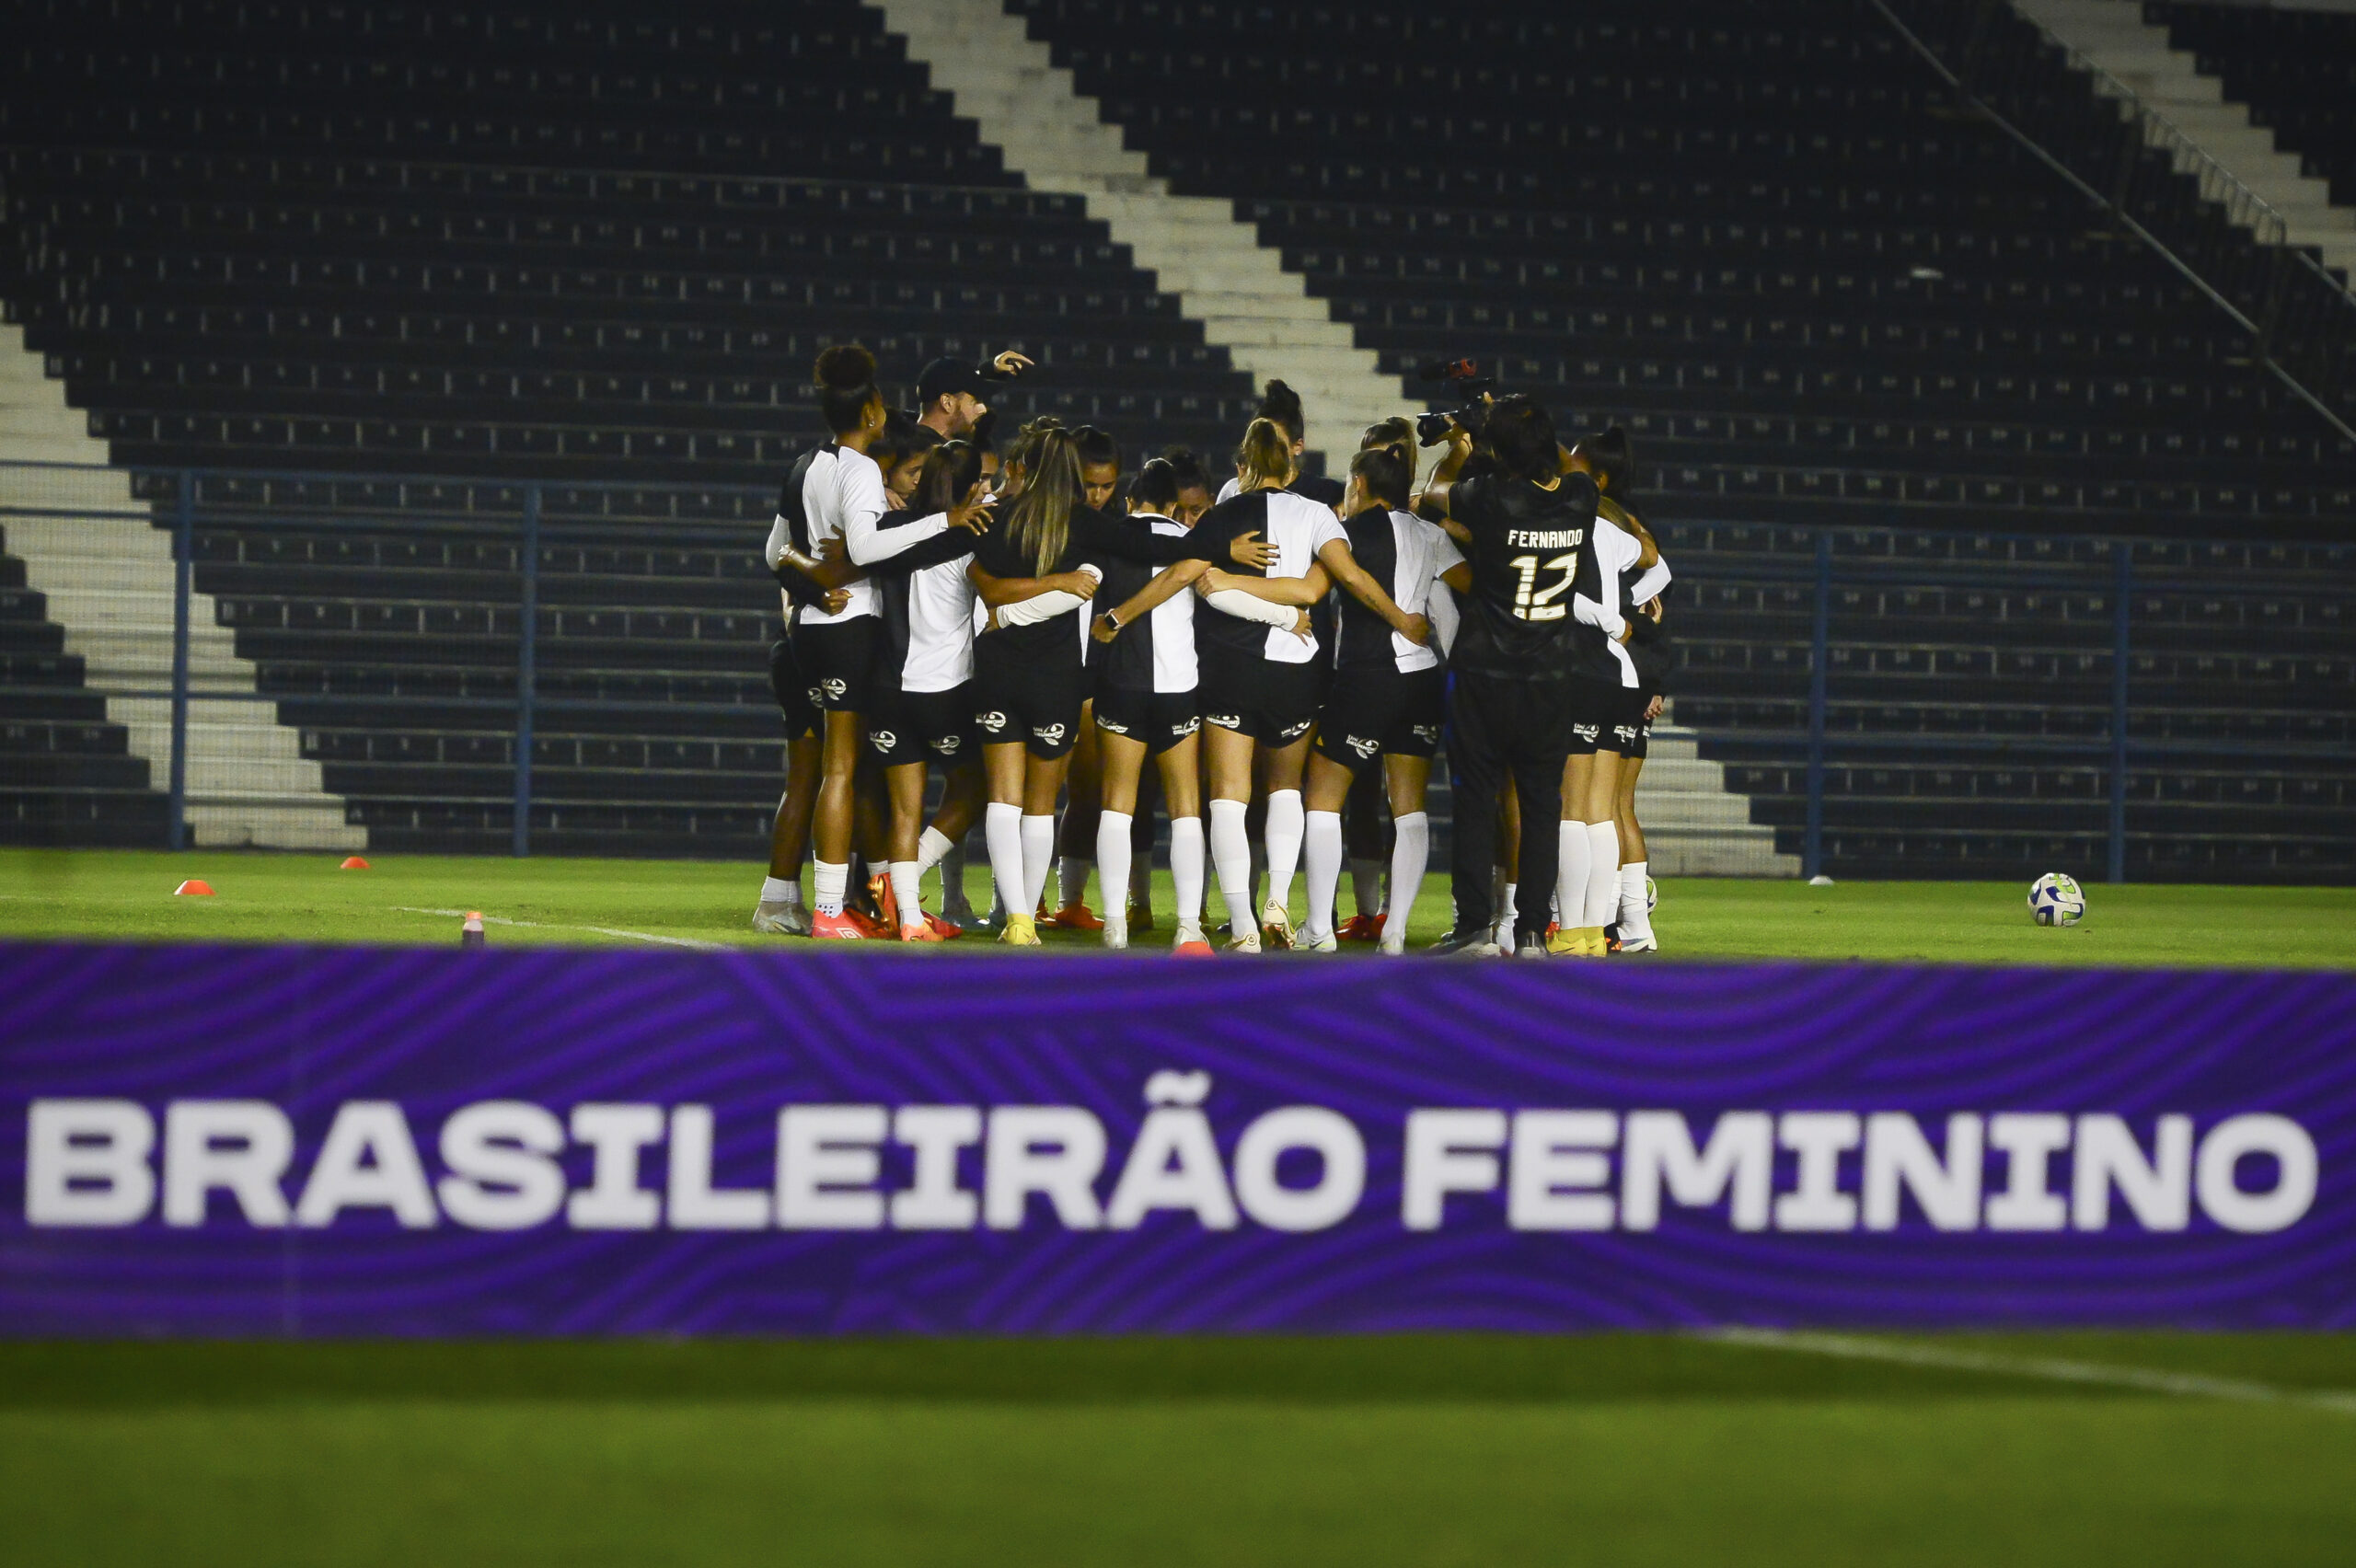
(127, 895)
(1618, 1450)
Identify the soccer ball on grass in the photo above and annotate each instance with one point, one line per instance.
(2055, 899)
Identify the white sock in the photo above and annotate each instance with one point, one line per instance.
(777, 890)
(1071, 878)
(1408, 859)
(1231, 855)
(1570, 875)
(1113, 860)
(1038, 856)
(1635, 918)
(1187, 867)
(1003, 829)
(1322, 842)
(932, 846)
(1366, 885)
(827, 884)
(1602, 873)
(953, 880)
(1507, 913)
(904, 875)
(1286, 825)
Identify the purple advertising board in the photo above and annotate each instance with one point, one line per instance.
(260, 1141)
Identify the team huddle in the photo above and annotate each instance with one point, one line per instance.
(1274, 658)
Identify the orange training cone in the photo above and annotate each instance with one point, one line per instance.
(353, 863)
(195, 889)
(470, 934)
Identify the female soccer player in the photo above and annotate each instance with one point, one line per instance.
(1146, 706)
(1032, 570)
(1609, 461)
(1387, 699)
(840, 497)
(1605, 706)
(1261, 682)
(924, 697)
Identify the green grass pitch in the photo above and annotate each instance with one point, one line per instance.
(127, 894)
(1463, 1450)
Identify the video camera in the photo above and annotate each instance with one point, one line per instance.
(1463, 378)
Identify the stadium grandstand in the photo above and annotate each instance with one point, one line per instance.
(2014, 520)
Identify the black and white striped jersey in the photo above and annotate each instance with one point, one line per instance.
(1404, 554)
(926, 602)
(1649, 651)
(1299, 528)
(1156, 652)
(1600, 655)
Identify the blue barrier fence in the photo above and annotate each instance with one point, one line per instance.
(531, 514)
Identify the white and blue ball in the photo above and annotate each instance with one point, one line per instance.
(2055, 899)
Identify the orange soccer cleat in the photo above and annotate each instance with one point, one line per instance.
(842, 928)
(1361, 928)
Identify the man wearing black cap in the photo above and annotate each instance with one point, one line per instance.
(951, 393)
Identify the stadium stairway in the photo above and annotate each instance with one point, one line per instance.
(2114, 37)
(2293, 66)
(66, 774)
(1053, 137)
(105, 576)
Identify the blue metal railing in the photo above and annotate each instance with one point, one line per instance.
(686, 514)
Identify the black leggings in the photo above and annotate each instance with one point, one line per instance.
(1499, 730)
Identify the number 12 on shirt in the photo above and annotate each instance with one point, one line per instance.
(1533, 603)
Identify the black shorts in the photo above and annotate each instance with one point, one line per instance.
(1021, 696)
(1633, 736)
(1160, 719)
(1272, 702)
(1377, 710)
(909, 726)
(792, 691)
(837, 662)
(1597, 713)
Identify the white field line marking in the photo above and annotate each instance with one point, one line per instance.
(598, 930)
(2145, 1379)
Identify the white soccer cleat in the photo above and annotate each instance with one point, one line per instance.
(1116, 933)
(1275, 926)
(779, 918)
(1646, 943)
(1312, 941)
(1244, 941)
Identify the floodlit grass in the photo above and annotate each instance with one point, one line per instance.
(265, 897)
(1620, 1449)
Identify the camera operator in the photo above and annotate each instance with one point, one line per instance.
(1525, 528)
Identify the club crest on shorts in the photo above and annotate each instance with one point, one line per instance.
(816, 695)
(1047, 734)
(1587, 731)
(1225, 721)
(947, 744)
(1626, 733)
(1427, 733)
(993, 721)
(834, 687)
(1365, 746)
(1111, 726)
(1185, 728)
(1294, 731)
(882, 740)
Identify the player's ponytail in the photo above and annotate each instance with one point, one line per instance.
(1156, 488)
(1384, 473)
(1038, 521)
(1281, 404)
(845, 379)
(1265, 460)
(951, 471)
(1613, 462)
